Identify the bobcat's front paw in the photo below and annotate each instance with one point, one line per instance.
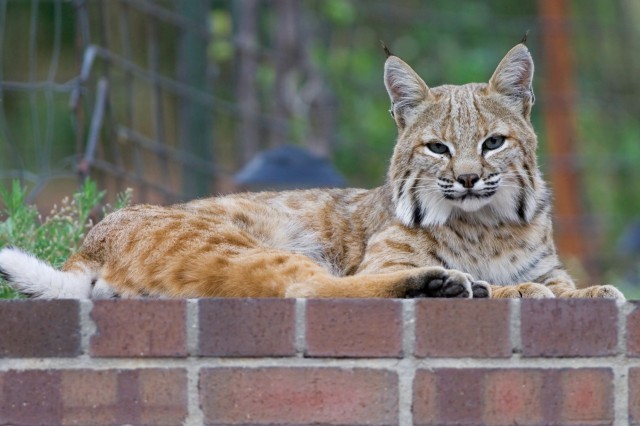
(440, 282)
(599, 291)
(525, 291)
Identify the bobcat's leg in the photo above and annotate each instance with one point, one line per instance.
(263, 272)
(382, 258)
(275, 273)
(418, 282)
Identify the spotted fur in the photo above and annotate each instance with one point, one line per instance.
(464, 204)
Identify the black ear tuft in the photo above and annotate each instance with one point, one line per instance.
(524, 38)
(386, 49)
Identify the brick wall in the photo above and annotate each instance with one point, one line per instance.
(374, 362)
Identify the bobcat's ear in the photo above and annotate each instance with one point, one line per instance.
(514, 76)
(406, 89)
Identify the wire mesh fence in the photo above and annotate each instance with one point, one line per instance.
(146, 104)
(172, 97)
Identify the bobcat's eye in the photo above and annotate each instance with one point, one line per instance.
(494, 142)
(438, 148)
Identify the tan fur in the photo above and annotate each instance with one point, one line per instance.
(404, 239)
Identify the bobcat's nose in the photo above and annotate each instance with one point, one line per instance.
(468, 180)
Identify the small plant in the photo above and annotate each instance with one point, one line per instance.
(55, 237)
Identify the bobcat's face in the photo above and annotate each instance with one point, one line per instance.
(463, 150)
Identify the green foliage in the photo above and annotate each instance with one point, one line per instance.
(221, 48)
(123, 200)
(55, 237)
(340, 12)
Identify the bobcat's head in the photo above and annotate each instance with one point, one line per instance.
(464, 151)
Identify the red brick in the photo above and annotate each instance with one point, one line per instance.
(449, 396)
(633, 331)
(354, 328)
(289, 396)
(425, 394)
(146, 396)
(564, 328)
(30, 398)
(139, 328)
(39, 328)
(513, 396)
(87, 397)
(246, 327)
(634, 396)
(588, 395)
(90, 397)
(463, 328)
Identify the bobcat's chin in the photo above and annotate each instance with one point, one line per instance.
(471, 202)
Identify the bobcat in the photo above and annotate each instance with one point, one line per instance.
(463, 205)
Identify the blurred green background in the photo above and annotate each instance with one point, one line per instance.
(172, 98)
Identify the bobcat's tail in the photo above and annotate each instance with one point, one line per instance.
(36, 278)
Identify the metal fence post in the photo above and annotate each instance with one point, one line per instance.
(559, 117)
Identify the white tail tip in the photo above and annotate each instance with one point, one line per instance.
(29, 275)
